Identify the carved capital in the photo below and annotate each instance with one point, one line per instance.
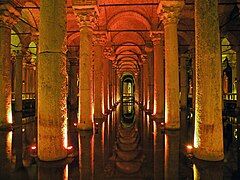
(100, 38)
(169, 11)
(144, 58)
(87, 16)
(8, 15)
(156, 37)
(109, 53)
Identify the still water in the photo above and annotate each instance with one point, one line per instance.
(127, 144)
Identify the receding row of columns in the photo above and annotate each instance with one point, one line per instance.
(95, 87)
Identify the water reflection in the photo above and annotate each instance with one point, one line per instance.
(127, 144)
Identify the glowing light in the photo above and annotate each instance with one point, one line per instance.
(162, 123)
(75, 124)
(65, 136)
(9, 116)
(65, 176)
(189, 149)
(69, 147)
(9, 145)
(96, 123)
(23, 130)
(34, 147)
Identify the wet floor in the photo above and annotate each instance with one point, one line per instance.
(123, 146)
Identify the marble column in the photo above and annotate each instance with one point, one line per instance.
(150, 56)
(52, 81)
(110, 85)
(106, 85)
(170, 11)
(208, 135)
(183, 81)
(73, 88)
(158, 110)
(145, 83)
(8, 18)
(87, 22)
(17, 135)
(99, 43)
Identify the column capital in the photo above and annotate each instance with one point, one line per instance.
(87, 16)
(100, 38)
(156, 37)
(169, 11)
(144, 58)
(109, 53)
(8, 15)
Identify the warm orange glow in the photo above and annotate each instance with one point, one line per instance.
(155, 106)
(65, 176)
(189, 147)
(103, 140)
(9, 145)
(92, 154)
(9, 116)
(65, 136)
(154, 136)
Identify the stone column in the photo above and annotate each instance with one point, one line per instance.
(106, 85)
(73, 88)
(158, 110)
(8, 18)
(52, 80)
(208, 135)
(150, 56)
(170, 11)
(183, 81)
(145, 82)
(87, 21)
(110, 85)
(17, 135)
(99, 42)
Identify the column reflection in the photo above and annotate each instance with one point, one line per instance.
(86, 156)
(171, 168)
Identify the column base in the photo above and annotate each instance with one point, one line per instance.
(85, 126)
(204, 154)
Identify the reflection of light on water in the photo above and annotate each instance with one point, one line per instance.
(103, 127)
(154, 135)
(166, 151)
(195, 173)
(235, 133)
(147, 124)
(9, 145)
(65, 176)
(65, 136)
(92, 154)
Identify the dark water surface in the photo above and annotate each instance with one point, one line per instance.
(128, 144)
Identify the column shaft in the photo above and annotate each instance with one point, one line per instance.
(171, 76)
(106, 85)
(158, 110)
(208, 136)
(98, 80)
(5, 75)
(52, 80)
(183, 82)
(85, 78)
